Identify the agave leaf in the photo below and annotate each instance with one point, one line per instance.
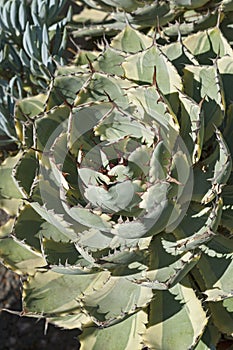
(166, 270)
(104, 88)
(139, 161)
(209, 339)
(40, 228)
(131, 230)
(86, 217)
(94, 239)
(222, 319)
(180, 177)
(61, 253)
(119, 197)
(25, 178)
(76, 320)
(154, 217)
(192, 126)
(204, 44)
(105, 305)
(19, 256)
(67, 83)
(159, 114)
(28, 226)
(225, 67)
(202, 172)
(160, 161)
(55, 220)
(141, 67)
(51, 126)
(123, 173)
(191, 4)
(92, 177)
(109, 62)
(130, 329)
(31, 106)
(152, 15)
(228, 303)
(128, 5)
(219, 247)
(205, 232)
(7, 228)
(10, 189)
(99, 29)
(222, 169)
(162, 331)
(123, 262)
(90, 15)
(179, 55)
(227, 134)
(227, 208)
(198, 84)
(131, 41)
(84, 57)
(64, 168)
(39, 299)
(216, 273)
(26, 111)
(119, 124)
(82, 121)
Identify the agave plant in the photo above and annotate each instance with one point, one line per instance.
(32, 41)
(167, 18)
(122, 212)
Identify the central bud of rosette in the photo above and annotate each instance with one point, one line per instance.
(132, 170)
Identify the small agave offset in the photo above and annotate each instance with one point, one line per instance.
(122, 210)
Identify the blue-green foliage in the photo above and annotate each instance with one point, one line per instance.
(32, 41)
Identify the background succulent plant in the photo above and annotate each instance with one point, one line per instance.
(167, 19)
(32, 42)
(123, 195)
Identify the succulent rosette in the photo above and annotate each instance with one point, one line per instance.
(123, 193)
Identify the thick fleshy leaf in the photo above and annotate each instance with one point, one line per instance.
(209, 339)
(192, 126)
(39, 299)
(131, 41)
(25, 178)
(166, 270)
(216, 273)
(109, 62)
(50, 126)
(76, 320)
(55, 220)
(219, 247)
(159, 163)
(119, 197)
(191, 3)
(19, 256)
(179, 55)
(222, 319)
(104, 88)
(205, 233)
(130, 331)
(150, 67)
(10, 188)
(222, 170)
(120, 124)
(163, 329)
(116, 299)
(205, 44)
(67, 83)
(198, 84)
